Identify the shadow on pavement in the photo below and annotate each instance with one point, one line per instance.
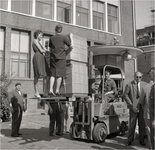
(31, 135)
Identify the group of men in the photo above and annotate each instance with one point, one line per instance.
(139, 97)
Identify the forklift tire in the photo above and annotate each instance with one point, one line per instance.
(100, 132)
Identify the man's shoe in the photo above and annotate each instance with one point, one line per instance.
(19, 134)
(51, 135)
(142, 143)
(14, 135)
(60, 134)
(128, 143)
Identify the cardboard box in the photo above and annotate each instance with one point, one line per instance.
(77, 78)
(79, 51)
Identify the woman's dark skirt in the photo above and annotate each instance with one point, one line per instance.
(58, 67)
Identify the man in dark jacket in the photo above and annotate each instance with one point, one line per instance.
(17, 107)
(131, 96)
(151, 107)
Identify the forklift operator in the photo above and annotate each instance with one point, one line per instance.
(109, 87)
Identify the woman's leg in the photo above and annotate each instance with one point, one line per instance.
(52, 80)
(44, 84)
(59, 80)
(36, 85)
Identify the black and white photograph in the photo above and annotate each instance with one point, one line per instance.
(77, 74)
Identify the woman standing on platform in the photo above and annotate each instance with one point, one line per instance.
(58, 58)
(40, 66)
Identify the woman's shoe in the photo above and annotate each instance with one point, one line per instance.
(57, 94)
(37, 95)
(51, 94)
(45, 95)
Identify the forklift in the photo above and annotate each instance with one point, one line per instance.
(92, 119)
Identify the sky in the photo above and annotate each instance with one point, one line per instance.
(143, 13)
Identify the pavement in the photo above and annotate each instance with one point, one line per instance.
(34, 128)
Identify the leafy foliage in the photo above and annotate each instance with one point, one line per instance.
(5, 82)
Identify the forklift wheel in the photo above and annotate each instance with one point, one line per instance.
(100, 132)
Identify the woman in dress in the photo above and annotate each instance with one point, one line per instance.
(58, 58)
(40, 66)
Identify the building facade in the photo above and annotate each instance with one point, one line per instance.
(98, 21)
(146, 41)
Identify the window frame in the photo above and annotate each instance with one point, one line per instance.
(2, 51)
(19, 53)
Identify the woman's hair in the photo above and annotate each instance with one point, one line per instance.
(36, 33)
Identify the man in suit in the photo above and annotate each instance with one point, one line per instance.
(131, 96)
(144, 101)
(56, 117)
(151, 107)
(17, 107)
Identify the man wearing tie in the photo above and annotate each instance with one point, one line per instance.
(131, 96)
(17, 107)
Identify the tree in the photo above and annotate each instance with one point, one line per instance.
(5, 82)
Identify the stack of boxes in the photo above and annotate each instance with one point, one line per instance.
(76, 81)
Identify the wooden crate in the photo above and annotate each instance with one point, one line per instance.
(77, 78)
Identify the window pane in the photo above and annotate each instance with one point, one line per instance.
(95, 5)
(23, 6)
(23, 56)
(44, 8)
(20, 58)
(4, 4)
(2, 39)
(15, 41)
(81, 16)
(84, 20)
(113, 19)
(22, 70)
(82, 13)
(14, 55)
(66, 1)
(1, 62)
(98, 15)
(26, 6)
(64, 12)
(14, 69)
(94, 22)
(85, 3)
(24, 42)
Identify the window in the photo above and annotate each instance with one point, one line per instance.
(101, 60)
(82, 15)
(23, 6)
(98, 15)
(19, 63)
(112, 19)
(2, 32)
(44, 8)
(4, 4)
(64, 10)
